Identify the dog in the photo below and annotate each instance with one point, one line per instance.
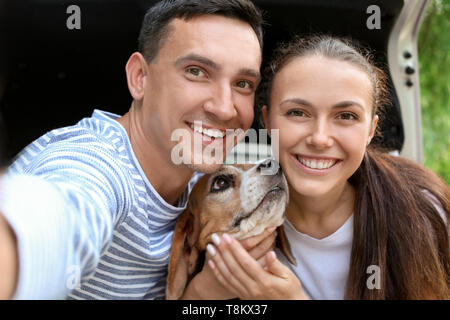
(238, 200)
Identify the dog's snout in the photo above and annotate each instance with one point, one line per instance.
(269, 165)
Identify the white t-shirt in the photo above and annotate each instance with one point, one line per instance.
(322, 264)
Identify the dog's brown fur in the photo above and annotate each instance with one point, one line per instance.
(209, 213)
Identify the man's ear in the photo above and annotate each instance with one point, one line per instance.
(265, 114)
(136, 69)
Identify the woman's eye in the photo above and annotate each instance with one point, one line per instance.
(347, 116)
(220, 183)
(196, 72)
(296, 113)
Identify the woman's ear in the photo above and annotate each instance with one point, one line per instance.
(373, 128)
(265, 114)
(136, 70)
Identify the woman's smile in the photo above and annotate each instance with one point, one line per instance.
(316, 165)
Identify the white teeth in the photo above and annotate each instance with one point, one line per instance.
(320, 164)
(308, 163)
(214, 133)
(317, 164)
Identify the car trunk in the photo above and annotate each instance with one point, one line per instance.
(56, 76)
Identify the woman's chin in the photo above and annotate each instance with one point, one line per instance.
(313, 189)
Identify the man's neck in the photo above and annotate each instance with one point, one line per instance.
(156, 165)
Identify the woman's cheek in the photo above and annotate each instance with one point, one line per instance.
(289, 135)
(354, 141)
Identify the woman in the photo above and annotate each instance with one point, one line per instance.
(362, 224)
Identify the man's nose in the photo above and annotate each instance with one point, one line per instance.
(221, 104)
(321, 135)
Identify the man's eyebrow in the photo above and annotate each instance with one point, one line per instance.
(206, 61)
(250, 73)
(198, 58)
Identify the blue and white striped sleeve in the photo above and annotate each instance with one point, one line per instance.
(63, 217)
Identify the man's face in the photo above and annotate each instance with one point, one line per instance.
(206, 71)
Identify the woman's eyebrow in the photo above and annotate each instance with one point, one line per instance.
(298, 101)
(340, 105)
(349, 103)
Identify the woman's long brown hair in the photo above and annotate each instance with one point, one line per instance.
(397, 225)
(398, 228)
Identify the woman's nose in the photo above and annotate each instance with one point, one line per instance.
(320, 136)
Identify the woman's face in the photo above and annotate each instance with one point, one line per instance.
(323, 110)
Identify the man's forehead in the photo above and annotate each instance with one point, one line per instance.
(208, 19)
(209, 32)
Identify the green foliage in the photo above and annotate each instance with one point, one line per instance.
(434, 67)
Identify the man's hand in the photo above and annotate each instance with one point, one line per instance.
(8, 260)
(206, 286)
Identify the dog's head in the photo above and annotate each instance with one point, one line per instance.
(238, 200)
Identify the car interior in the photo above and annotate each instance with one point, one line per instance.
(56, 76)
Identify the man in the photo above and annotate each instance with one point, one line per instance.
(103, 227)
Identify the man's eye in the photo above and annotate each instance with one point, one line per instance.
(220, 183)
(194, 71)
(244, 84)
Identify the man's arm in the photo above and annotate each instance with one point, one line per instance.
(62, 214)
(9, 260)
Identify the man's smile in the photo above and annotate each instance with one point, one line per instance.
(208, 131)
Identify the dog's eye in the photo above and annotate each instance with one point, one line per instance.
(220, 183)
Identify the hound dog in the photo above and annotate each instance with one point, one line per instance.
(239, 200)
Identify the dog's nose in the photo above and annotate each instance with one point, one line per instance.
(269, 165)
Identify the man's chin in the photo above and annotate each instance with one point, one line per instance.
(204, 167)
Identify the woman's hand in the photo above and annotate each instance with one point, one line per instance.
(242, 275)
(205, 285)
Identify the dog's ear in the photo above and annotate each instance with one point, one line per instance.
(183, 255)
(283, 244)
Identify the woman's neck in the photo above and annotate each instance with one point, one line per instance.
(321, 216)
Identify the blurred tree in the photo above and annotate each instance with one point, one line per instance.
(434, 65)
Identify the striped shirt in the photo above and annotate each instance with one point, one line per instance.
(111, 232)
